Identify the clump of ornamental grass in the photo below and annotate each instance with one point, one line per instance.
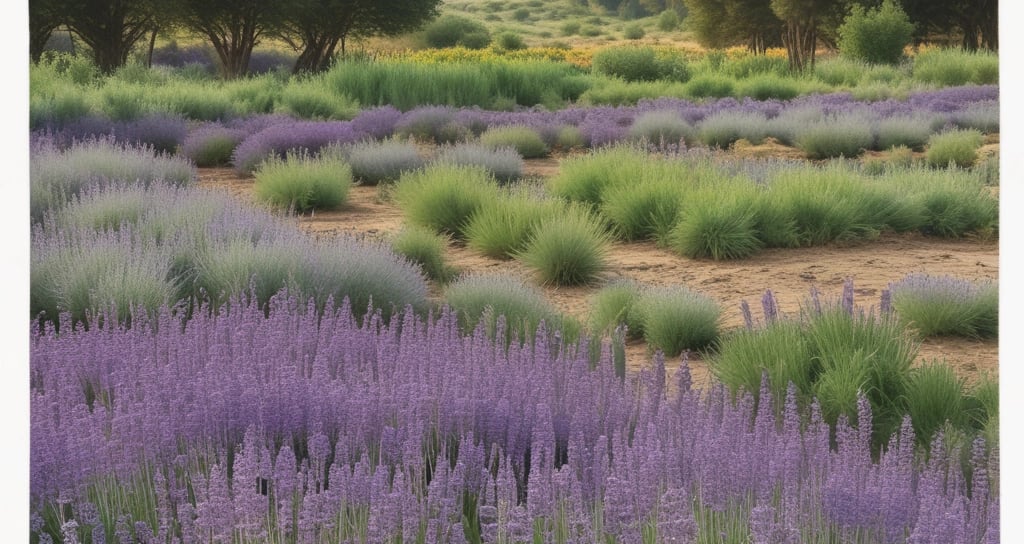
(525, 140)
(255, 94)
(955, 147)
(503, 226)
(779, 348)
(935, 397)
(211, 145)
(840, 71)
(312, 99)
(953, 204)
(194, 101)
(302, 183)
(647, 210)
(122, 101)
(615, 305)
(260, 268)
(661, 128)
(443, 197)
(569, 137)
(951, 67)
(675, 319)
(432, 124)
(505, 307)
(58, 176)
(568, 249)
(767, 87)
(504, 163)
(723, 128)
(585, 178)
(715, 226)
(824, 205)
(789, 124)
(945, 305)
(376, 162)
(844, 136)
(710, 86)
(425, 248)
(911, 131)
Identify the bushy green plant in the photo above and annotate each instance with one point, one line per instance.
(502, 227)
(944, 305)
(955, 147)
(661, 128)
(768, 86)
(443, 197)
(668, 20)
(911, 132)
(633, 31)
(376, 162)
(521, 14)
(525, 140)
(953, 67)
(503, 163)
(716, 226)
(480, 300)
(710, 85)
(876, 35)
(847, 136)
(935, 396)
(631, 63)
(199, 102)
(570, 27)
(313, 100)
(722, 129)
(510, 41)
(568, 249)
(452, 30)
(648, 209)
(569, 137)
(614, 305)
(823, 206)
(300, 182)
(425, 248)
(841, 71)
(746, 66)
(780, 348)
(675, 319)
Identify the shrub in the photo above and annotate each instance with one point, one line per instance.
(590, 31)
(503, 163)
(453, 30)
(211, 145)
(199, 102)
(944, 305)
(377, 162)
(442, 197)
(106, 209)
(567, 249)
(313, 100)
(526, 141)
(303, 183)
(823, 206)
(480, 300)
(954, 67)
(661, 128)
(710, 85)
(877, 35)
(841, 71)
(668, 20)
(584, 178)
(645, 210)
(510, 41)
(717, 227)
(615, 305)
(633, 31)
(909, 131)
(570, 27)
(724, 128)
(569, 137)
(953, 147)
(502, 227)
(780, 348)
(297, 136)
(935, 396)
(432, 124)
(847, 136)
(982, 116)
(631, 63)
(675, 319)
(768, 86)
(425, 248)
(55, 177)
(521, 14)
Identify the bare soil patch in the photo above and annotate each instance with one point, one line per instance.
(789, 273)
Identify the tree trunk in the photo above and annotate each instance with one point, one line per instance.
(800, 41)
(149, 52)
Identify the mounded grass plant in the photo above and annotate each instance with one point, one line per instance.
(719, 227)
(425, 248)
(675, 319)
(300, 182)
(503, 163)
(211, 145)
(614, 305)
(724, 128)
(647, 210)
(525, 140)
(955, 147)
(443, 197)
(950, 67)
(779, 348)
(661, 128)
(910, 131)
(568, 249)
(935, 396)
(313, 99)
(767, 87)
(710, 86)
(376, 162)
(481, 300)
(945, 305)
(455, 30)
(502, 227)
(846, 136)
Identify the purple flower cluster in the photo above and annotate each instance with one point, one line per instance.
(279, 138)
(296, 425)
(163, 132)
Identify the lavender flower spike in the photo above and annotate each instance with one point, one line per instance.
(769, 306)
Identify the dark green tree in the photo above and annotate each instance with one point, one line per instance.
(233, 27)
(803, 21)
(110, 28)
(721, 23)
(43, 18)
(317, 28)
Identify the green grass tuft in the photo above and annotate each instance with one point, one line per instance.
(303, 183)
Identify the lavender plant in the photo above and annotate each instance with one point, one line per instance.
(299, 136)
(946, 305)
(211, 145)
(527, 142)
(376, 162)
(503, 163)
